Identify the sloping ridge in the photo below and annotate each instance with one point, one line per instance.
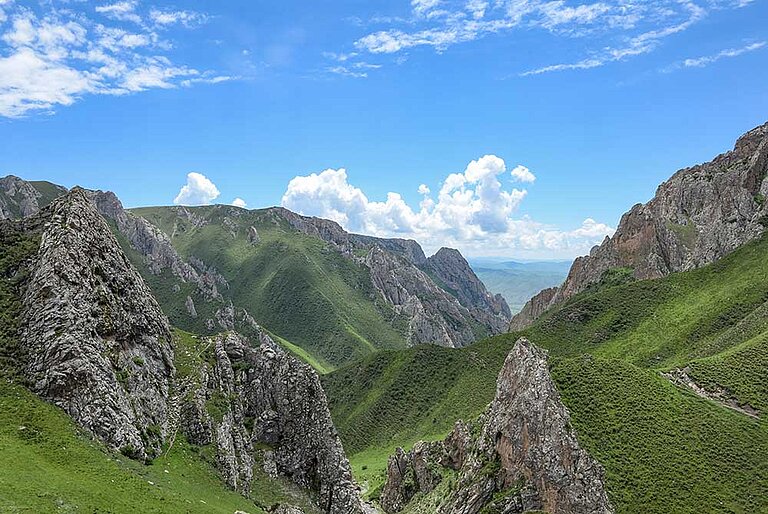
(444, 300)
(699, 215)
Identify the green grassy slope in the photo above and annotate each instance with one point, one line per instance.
(48, 465)
(710, 320)
(308, 295)
(664, 449)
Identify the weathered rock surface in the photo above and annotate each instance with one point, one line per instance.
(453, 270)
(156, 247)
(20, 198)
(522, 454)
(262, 407)
(97, 343)
(434, 316)
(698, 216)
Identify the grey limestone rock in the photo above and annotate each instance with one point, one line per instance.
(97, 342)
(262, 407)
(19, 198)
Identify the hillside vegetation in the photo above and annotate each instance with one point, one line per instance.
(48, 465)
(664, 448)
(316, 302)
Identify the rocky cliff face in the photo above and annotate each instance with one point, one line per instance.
(449, 267)
(96, 342)
(522, 455)
(19, 198)
(159, 256)
(434, 316)
(698, 216)
(144, 237)
(262, 408)
(532, 309)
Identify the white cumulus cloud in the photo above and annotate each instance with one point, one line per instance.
(198, 190)
(471, 211)
(523, 174)
(239, 202)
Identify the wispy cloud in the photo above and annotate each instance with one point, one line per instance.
(122, 11)
(59, 56)
(347, 72)
(186, 18)
(700, 62)
(617, 29)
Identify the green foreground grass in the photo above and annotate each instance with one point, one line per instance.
(48, 465)
(664, 449)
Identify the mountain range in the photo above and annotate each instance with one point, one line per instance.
(518, 282)
(217, 359)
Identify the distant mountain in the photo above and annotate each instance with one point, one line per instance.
(518, 282)
(20, 198)
(699, 215)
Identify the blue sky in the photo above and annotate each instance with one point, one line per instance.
(533, 124)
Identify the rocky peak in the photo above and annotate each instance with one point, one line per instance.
(451, 268)
(271, 412)
(522, 455)
(408, 249)
(19, 198)
(699, 215)
(96, 342)
(434, 316)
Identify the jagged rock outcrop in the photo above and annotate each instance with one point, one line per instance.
(453, 270)
(20, 198)
(262, 407)
(96, 342)
(522, 455)
(156, 247)
(409, 473)
(699, 215)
